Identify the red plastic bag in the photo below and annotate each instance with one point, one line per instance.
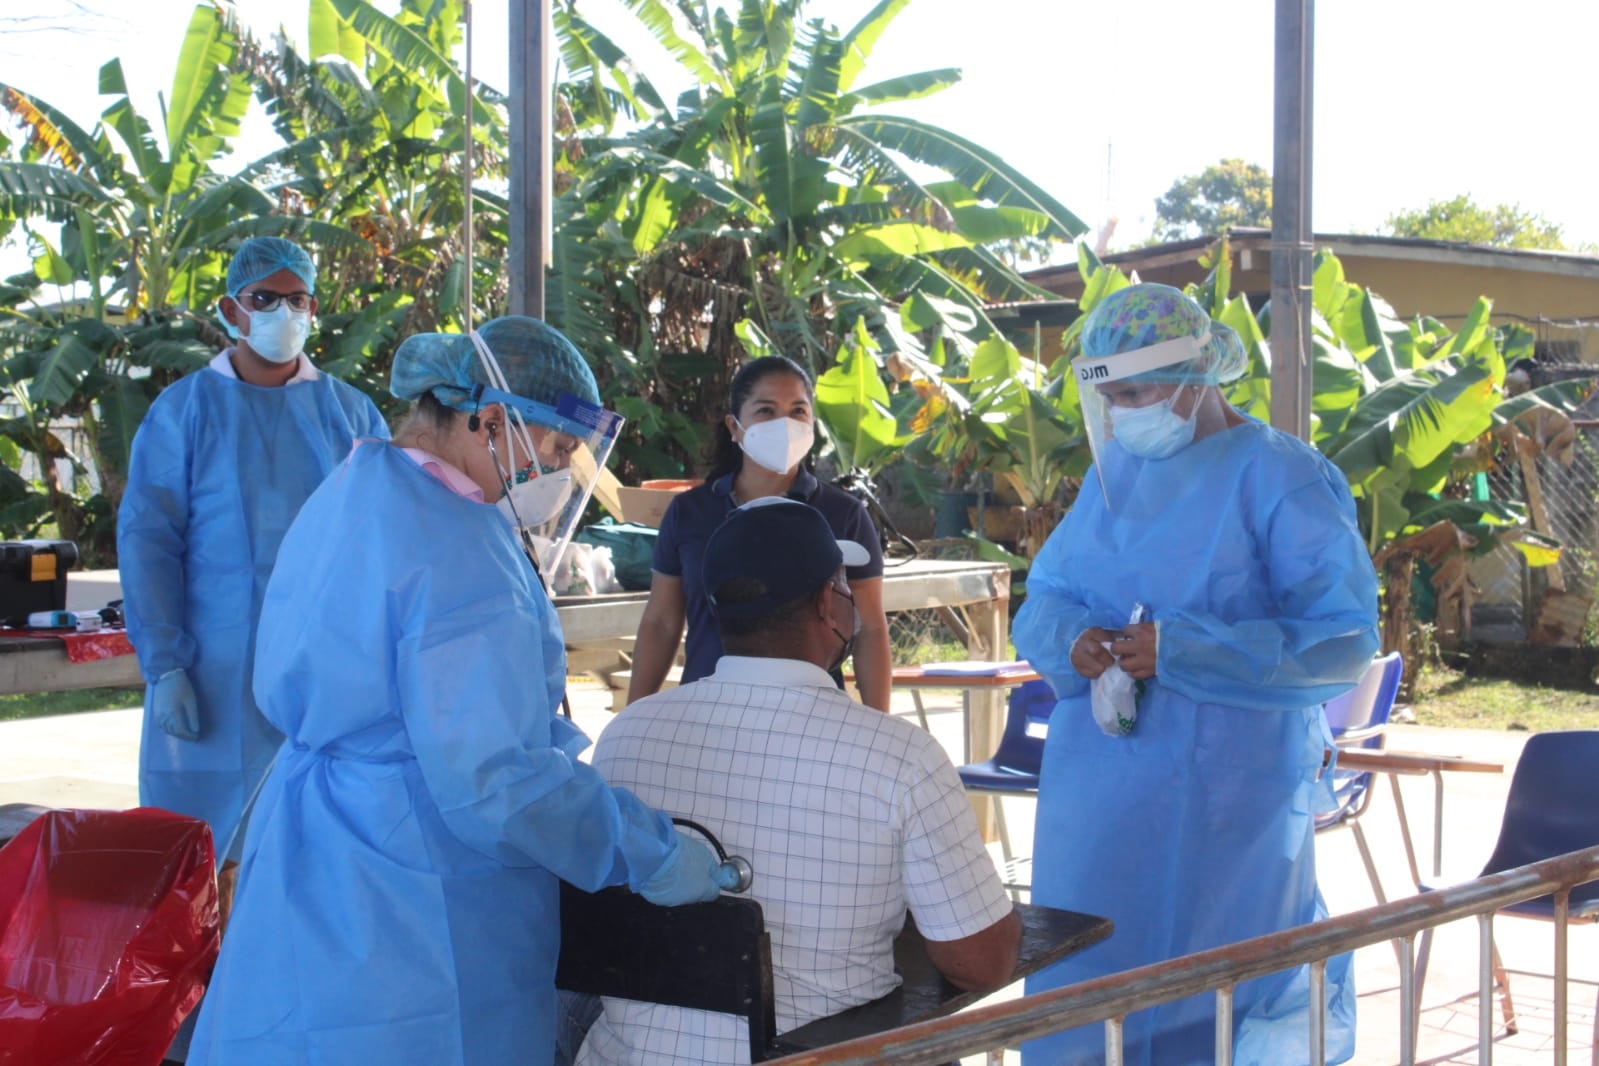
(108, 932)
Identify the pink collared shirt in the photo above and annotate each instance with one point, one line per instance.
(452, 477)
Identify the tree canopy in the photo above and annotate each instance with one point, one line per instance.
(1461, 219)
(774, 206)
(1229, 193)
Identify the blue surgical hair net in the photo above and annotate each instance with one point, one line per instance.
(536, 358)
(1142, 316)
(261, 257)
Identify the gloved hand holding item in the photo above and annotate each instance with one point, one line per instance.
(690, 874)
(1114, 700)
(176, 707)
(1114, 693)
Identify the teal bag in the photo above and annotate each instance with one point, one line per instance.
(632, 549)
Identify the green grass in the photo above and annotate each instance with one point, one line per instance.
(924, 649)
(1446, 697)
(1443, 697)
(41, 704)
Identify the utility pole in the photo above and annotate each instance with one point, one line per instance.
(1291, 234)
(529, 39)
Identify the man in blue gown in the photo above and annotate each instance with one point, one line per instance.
(1194, 828)
(221, 464)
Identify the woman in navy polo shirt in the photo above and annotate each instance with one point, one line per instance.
(760, 450)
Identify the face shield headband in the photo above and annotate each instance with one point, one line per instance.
(1124, 365)
(545, 498)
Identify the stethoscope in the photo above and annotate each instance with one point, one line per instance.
(742, 870)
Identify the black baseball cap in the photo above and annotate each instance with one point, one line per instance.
(782, 545)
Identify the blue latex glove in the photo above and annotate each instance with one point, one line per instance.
(176, 707)
(690, 874)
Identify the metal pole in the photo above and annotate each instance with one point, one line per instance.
(530, 153)
(468, 173)
(1291, 234)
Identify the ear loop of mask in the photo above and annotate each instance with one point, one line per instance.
(515, 425)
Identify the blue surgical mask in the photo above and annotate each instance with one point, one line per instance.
(1152, 432)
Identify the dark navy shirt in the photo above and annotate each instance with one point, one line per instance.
(695, 514)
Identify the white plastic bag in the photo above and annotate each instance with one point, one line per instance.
(1115, 701)
(603, 568)
(574, 574)
(1115, 695)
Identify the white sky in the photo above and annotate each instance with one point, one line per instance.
(1103, 104)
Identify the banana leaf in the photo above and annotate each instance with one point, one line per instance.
(123, 402)
(61, 370)
(977, 168)
(28, 189)
(1415, 417)
(852, 403)
(862, 38)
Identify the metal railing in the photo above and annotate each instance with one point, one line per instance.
(1110, 999)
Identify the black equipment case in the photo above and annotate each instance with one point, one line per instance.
(33, 577)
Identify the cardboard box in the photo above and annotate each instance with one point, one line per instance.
(647, 503)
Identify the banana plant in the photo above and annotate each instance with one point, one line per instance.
(130, 223)
(376, 145)
(775, 192)
(118, 212)
(1420, 393)
(143, 213)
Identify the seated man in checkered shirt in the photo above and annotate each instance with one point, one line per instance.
(848, 816)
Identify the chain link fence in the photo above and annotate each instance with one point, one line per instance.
(1513, 598)
(74, 441)
(919, 636)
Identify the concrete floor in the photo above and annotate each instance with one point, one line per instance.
(90, 760)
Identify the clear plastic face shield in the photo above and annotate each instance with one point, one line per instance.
(1138, 407)
(549, 458)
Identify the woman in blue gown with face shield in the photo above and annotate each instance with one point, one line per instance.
(397, 897)
(1189, 822)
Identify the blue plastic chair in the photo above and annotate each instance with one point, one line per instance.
(1552, 809)
(1359, 719)
(1013, 769)
(1361, 714)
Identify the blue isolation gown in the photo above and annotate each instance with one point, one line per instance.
(1196, 830)
(397, 898)
(219, 469)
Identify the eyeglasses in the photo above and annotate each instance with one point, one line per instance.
(267, 300)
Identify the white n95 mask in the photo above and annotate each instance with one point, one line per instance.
(531, 503)
(278, 335)
(779, 444)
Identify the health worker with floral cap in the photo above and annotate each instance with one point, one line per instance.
(760, 448)
(1187, 819)
(398, 894)
(221, 464)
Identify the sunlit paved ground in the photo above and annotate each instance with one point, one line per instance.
(90, 760)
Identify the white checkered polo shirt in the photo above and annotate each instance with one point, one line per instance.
(847, 815)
